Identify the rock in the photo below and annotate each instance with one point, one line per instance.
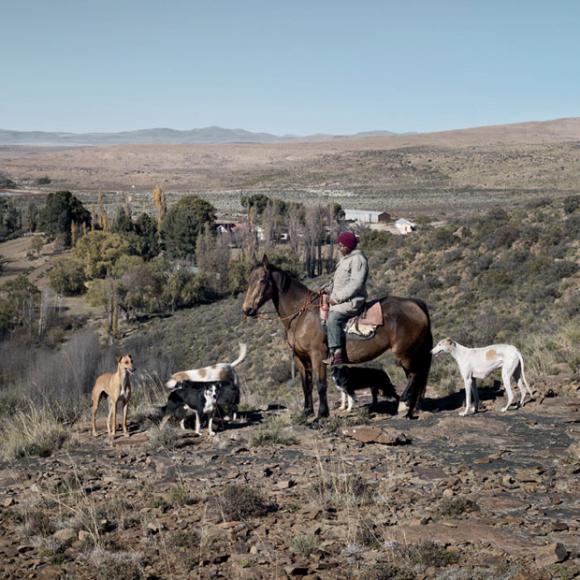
(551, 554)
(8, 502)
(65, 535)
(296, 570)
(154, 528)
(164, 467)
(559, 527)
(574, 450)
(285, 484)
(448, 493)
(253, 549)
(84, 536)
(507, 480)
(385, 436)
(49, 573)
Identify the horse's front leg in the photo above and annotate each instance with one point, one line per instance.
(319, 376)
(306, 378)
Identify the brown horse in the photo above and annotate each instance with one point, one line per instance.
(406, 332)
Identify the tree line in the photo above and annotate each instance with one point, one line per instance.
(142, 265)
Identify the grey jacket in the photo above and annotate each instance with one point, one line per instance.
(350, 279)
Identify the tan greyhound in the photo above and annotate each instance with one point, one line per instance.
(116, 387)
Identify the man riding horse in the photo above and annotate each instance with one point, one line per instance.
(348, 294)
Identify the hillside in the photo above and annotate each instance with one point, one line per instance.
(492, 495)
(426, 173)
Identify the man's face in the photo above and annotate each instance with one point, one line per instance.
(344, 250)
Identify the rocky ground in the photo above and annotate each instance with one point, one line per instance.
(490, 496)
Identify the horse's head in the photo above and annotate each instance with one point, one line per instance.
(259, 288)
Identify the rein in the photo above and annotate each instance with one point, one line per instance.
(306, 305)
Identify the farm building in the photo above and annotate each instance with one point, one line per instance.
(366, 216)
(405, 226)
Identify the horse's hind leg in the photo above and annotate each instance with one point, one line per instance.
(417, 371)
(306, 378)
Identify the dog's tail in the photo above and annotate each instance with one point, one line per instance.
(243, 351)
(522, 373)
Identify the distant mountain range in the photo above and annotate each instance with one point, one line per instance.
(157, 137)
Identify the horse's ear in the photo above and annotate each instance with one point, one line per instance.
(265, 261)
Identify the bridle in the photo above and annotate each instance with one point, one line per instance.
(306, 305)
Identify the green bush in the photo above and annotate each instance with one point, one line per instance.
(67, 277)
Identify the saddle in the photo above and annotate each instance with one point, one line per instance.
(364, 326)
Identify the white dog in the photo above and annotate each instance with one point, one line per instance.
(220, 372)
(477, 363)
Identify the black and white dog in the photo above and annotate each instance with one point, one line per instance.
(192, 397)
(351, 379)
(228, 399)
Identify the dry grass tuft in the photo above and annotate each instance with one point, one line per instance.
(31, 432)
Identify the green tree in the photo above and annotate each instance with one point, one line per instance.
(123, 223)
(67, 277)
(258, 202)
(99, 251)
(184, 222)
(61, 209)
(10, 219)
(147, 244)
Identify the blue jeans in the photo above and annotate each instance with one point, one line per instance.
(335, 328)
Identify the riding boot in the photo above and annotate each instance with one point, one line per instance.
(336, 358)
(339, 358)
(328, 361)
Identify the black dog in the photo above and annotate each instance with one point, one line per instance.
(197, 397)
(228, 399)
(351, 379)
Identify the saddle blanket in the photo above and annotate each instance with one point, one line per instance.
(365, 324)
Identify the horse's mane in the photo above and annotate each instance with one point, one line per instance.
(285, 277)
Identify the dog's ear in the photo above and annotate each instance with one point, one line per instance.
(119, 359)
(265, 261)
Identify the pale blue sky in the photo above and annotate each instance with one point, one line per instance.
(293, 66)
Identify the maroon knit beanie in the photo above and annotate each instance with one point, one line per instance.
(348, 239)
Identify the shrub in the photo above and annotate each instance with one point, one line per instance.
(429, 554)
(239, 501)
(305, 544)
(67, 277)
(443, 238)
(457, 507)
(571, 203)
(272, 433)
(374, 240)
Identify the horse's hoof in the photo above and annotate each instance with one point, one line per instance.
(317, 423)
